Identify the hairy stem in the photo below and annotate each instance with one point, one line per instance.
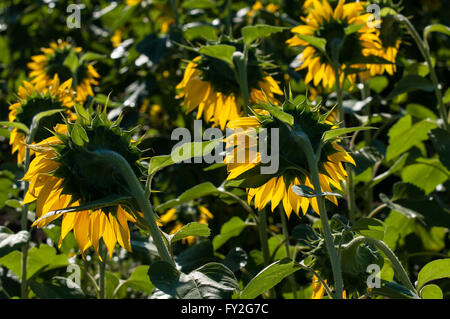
(138, 193)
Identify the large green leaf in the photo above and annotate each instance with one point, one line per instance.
(191, 229)
(138, 280)
(10, 241)
(269, 277)
(404, 135)
(219, 51)
(40, 258)
(231, 228)
(194, 149)
(436, 269)
(251, 33)
(211, 281)
(425, 174)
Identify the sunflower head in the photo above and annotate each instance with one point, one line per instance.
(63, 59)
(210, 86)
(282, 127)
(336, 38)
(34, 99)
(67, 178)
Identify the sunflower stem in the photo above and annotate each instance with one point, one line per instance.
(365, 93)
(102, 271)
(24, 226)
(173, 4)
(398, 267)
(138, 193)
(228, 26)
(262, 228)
(240, 63)
(424, 49)
(285, 231)
(326, 231)
(341, 119)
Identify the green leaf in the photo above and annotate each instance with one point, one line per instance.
(352, 28)
(420, 111)
(378, 83)
(251, 33)
(437, 269)
(193, 149)
(308, 192)
(335, 133)
(426, 174)
(269, 277)
(431, 292)
(195, 192)
(158, 163)
(231, 228)
(191, 229)
(92, 56)
(393, 290)
(219, 51)
(441, 142)
(435, 28)
(411, 83)
(78, 134)
(195, 30)
(276, 112)
(403, 135)
(369, 227)
(211, 281)
(316, 42)
(20, 126)
(40, 258)
(10, 241)
(14, 203)
(138, 280)
(398, 208)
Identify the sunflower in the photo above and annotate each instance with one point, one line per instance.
(337, 27)
(116, 39)
(53, 61)
(277, 188)
(34, 99)
(271, 7)
(183, 215)
(391, 39)
(60, 182)
(209, 87)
